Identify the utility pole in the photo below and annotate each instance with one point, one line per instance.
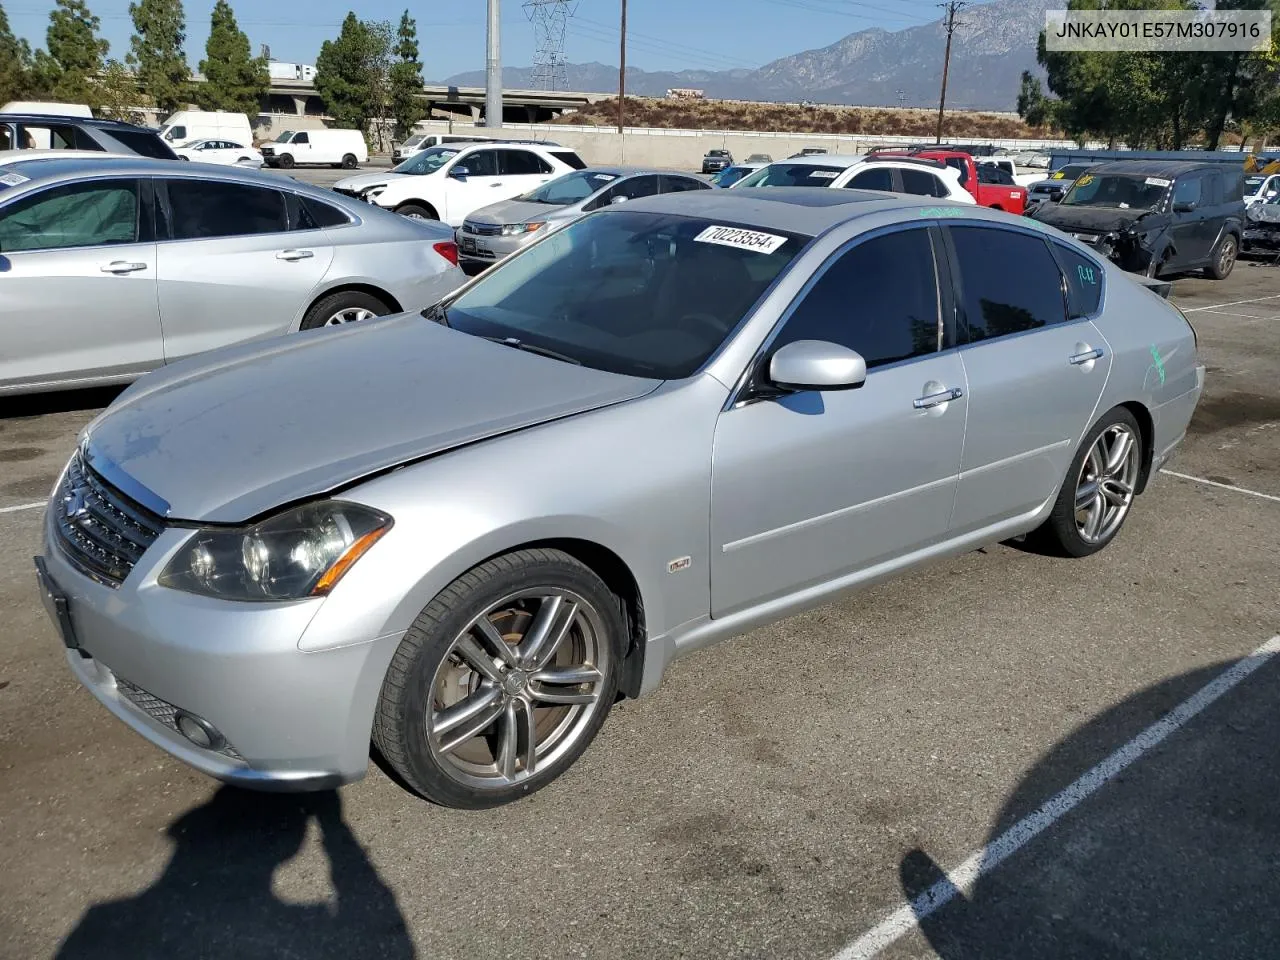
(622, 66)
(949, 24)
(493, 71)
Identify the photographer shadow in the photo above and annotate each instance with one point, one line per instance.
(215, 897)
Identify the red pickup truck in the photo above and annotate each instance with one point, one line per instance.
(987, 183)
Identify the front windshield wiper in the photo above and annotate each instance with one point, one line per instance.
(437, 312)
(532, 348)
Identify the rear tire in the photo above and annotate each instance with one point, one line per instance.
(1099, 488)
(416, 211)
(286, 161)
(474, 712)
(1224, 258)
(343, 307)
(349, 162)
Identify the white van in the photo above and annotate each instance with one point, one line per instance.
(47, 108)
(187, 125)
(335, 148)
(425, 141)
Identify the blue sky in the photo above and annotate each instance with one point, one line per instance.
(663, 34)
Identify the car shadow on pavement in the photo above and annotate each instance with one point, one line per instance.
(1175, 857)
(63, 401)
(215, 897)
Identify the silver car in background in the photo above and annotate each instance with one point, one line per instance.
(493, 233)
(110, 267)
(665, 424)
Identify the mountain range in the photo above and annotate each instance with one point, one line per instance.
(993, 43)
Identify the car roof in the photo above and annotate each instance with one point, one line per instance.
(825, 160)
(629, 171)
(1154, 168)
(802, 210)
(27, 156)
(45, 118)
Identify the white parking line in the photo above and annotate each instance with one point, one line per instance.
(1244, 316)
(22, 506)
(1233, 303)
(907, 917)
(1225, 486)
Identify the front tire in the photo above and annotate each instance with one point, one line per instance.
(1224, 258)
(345, 306)
(286, 161)
(503, 680)
(416, 211)
(1098, 490)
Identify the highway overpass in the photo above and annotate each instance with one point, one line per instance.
(299, 97)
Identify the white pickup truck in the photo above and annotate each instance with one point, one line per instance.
(1022, 179)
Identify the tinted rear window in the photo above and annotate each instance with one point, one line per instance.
(201, 209)
(143, 143)
(570, 158)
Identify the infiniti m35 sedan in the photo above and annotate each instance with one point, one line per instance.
(461, 535)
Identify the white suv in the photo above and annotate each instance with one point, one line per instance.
(448, 182)
(911, 175)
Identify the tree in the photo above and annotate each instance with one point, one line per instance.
(347, 73)
(407, 106)
(75, 53)
(119, 93)
(15, 63)
(1033, 106)
(233, 80)
(156, 51)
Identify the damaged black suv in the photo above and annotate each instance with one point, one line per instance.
(1156, 216)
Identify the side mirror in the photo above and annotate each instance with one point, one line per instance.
(817, 365)
(460, 173)
(618, 200)
(1183, 206)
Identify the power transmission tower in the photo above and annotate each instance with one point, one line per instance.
(550, 19)
(902, 98)
(949, 23)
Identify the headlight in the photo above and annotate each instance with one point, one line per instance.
(301, 553)
(515, 229)
(372, 193)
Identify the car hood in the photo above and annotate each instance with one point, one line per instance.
(362, 180)
(230, 435)
(1095, 219)
(515, 211)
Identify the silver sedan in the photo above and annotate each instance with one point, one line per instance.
(111, 266)
(668, 423)
(493, 233)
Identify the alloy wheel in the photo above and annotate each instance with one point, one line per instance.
(518, 688)
(1226, 256)
(1105, 487)
(350, 315)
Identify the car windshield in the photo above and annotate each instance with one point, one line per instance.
(1120, 191)
(428, 161)
(792, 175)
(1069, 172)
(730, 175)
(570, 188)
(285, 137)
(1251, 184)
(717, 153)
(641, 294)
(413, 141)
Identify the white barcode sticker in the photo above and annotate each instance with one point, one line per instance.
(823, 175)
(741, 239)
(13, 179)
(1158, 182)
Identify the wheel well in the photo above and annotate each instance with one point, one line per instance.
(1148, 427)
(419, 203)
(373, 291)
(617, 576)
(996, 206)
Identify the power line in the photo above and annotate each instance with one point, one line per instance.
(661, 44)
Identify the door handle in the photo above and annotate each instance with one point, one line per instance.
(1079, 358)
(495, 184)
(292, 255)
(121, 267)
(936, 399)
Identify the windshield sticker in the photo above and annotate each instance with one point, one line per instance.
(823, 175)
(1085, 180)
(1057, 176)
(741, 239)
(13, 179)
(1087, 275)
(1158, 182)
(604, 177)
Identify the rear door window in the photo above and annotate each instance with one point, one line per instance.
(1008, 283)
(522, 163)
(482, 163)
(102, 213)
(1188, 189)
(307, 213)
(142, 143)
(672, 184)
(877, 178)
(922, 183)
(203, 209)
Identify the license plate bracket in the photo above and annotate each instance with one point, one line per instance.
(56, 605)
(468, 244)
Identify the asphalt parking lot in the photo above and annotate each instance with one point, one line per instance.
(1052, 758)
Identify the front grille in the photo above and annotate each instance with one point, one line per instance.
(268, 151)
(161, 711)
(100, 530)
(482, 229)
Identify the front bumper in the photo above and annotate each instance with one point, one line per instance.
(477, 248)
(291, 719)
